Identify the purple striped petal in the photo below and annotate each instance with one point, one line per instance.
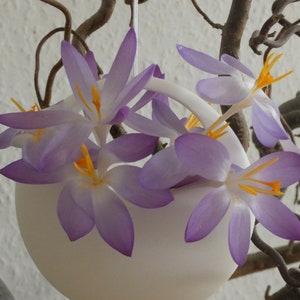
(38, 119)
(266, 122)
(203, 155)
(74, 220)
(120, 70)
(226, 90)
(236, 64)
(275, 216)
(91, 61)
(165, 116)
(149, 94)
(239, 232)
(113, 220)
(23, 172)
(204, 62)
(7, 137)
(163, 170)
(285, 169)
(78, 72)
(127, 94)
(125, 181)
(147, 126)
(207, 214)
(131, 147)
(57, 146)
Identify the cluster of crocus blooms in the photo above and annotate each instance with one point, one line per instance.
(69, 143)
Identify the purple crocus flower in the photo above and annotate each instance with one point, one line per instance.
(238, 192)
(92, 197)
(237, 86)
(105, 105)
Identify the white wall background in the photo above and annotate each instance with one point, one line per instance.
(162, 24)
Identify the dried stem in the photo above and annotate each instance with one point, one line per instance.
(231, 40)
(259, 261)
(292, 278)
(65, 11)
(95, 22)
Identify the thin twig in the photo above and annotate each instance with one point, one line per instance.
(205, 16)
(290, 278)
(65, 11)
(257, 262)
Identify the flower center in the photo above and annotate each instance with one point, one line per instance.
(96, 100)
(192, 122)
(257, 186)
(84, 165)
(265, 78)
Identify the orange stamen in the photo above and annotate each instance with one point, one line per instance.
(192, 122)
(95, 99)
(265, 78)
(215, 132)
(273, 187)
(84, 165)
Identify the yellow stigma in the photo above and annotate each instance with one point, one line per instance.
(192, 122)
(215, 132)
(265, 78)
(95, 99)
(84, 165)
(272, 188)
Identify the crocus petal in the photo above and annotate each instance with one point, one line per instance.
(91, 61)
(57, 147)
(110, 108)
(226, 90)
(125, 181)
(236, 64)
(7, 137)
(113, 220)
(148, 94)
(163, 114)
(74, 220)
(23, 172)
(266, 121)
(275, 216)
(78, 72)
(147, 126)
(285, 169)
(239, 232)
(120, 70)
(204, 62)
(79, 191)
(207, 214)
(203, 155)
(131, 147)
(38, 119)
(163, 170)
(120, 116)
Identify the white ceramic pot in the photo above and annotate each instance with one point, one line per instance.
(162, 266)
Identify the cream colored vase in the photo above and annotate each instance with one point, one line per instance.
(162, 267)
